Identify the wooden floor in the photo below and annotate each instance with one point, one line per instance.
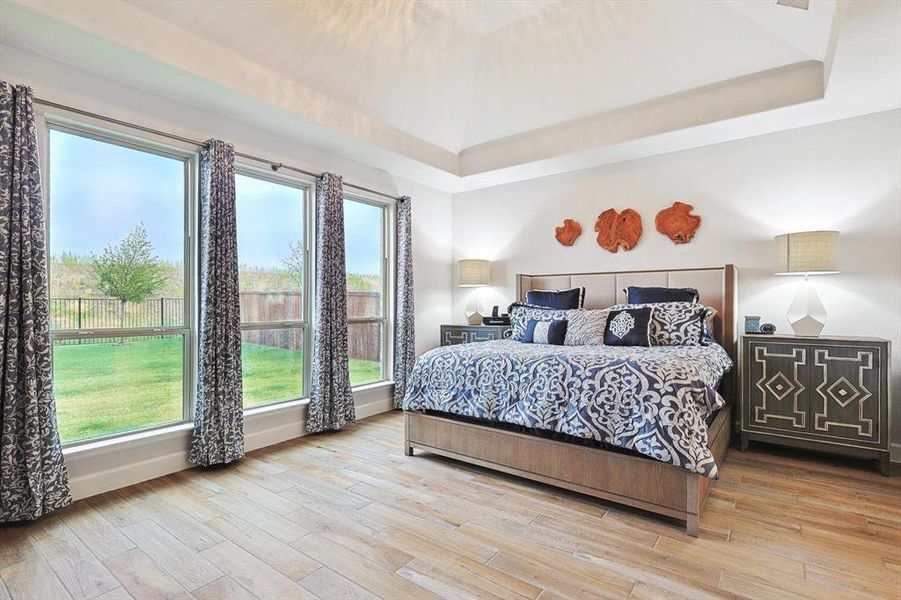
(347, 515)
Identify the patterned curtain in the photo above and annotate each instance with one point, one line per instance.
(404, 334)
(331, 401)
(219, 411)
(33, 477)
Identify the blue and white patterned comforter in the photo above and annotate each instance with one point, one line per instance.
(654, 401)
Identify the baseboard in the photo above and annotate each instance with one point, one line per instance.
(375, 407)
(895, 453)
(100, 472)
(115, 466)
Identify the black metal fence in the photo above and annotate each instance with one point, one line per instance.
(107, 313)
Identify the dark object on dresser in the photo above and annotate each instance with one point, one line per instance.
(752, 324)
(819, 393)
(464, 334)
(501, 320)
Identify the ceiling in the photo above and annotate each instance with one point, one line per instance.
(464, 94)
(458, 74)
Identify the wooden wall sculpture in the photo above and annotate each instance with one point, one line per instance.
(617, 229)
(677, 223)
(567, 234)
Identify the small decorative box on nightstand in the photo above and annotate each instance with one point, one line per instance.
(463, 334)
(825, 393)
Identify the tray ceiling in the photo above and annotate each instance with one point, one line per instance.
(458, 74)
(470, 89)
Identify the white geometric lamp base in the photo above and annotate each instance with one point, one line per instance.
(807, 315)
(473, 317)
(473, 309)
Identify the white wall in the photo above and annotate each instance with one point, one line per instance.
(432, 262)
(844, 175)
(97, 469)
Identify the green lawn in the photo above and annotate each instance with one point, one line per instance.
(104, 388)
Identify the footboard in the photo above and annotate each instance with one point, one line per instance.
(635, 481)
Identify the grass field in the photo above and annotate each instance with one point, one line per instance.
(104, 388)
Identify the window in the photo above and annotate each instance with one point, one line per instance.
(119, 282)
(121, 219)
(274, 271)
(366, 256)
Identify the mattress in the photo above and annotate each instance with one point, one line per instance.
(655, 401)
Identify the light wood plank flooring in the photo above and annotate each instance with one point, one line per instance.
(347, 515)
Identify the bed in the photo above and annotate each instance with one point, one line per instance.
(654, 442)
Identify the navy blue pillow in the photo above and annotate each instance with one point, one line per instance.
(559, 299)
(628, 327)
(545, 332)
(656, 295)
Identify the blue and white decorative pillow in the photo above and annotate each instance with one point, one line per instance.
(521, 314)
(545, 332)
(561, 299)
(676, 323)
(708, 327)
(659, 295)
(586, 327)
(628, 327)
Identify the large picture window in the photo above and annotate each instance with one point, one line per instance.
(365, 253)
(119, 283)
(273, 274)
(122, 279)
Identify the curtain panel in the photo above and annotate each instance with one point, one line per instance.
(404, 327)
(331, 401)
(218, 411)
(33, 477)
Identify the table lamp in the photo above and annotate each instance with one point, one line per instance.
(473, 272)
(807, 253)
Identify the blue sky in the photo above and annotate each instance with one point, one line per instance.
(99, 192)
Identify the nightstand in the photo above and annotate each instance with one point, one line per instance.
(827, 393)
(463, 334)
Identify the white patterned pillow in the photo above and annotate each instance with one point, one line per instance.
(586, 327)
(521, 314)
(676, 323)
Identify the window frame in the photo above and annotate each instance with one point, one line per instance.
(386, 319)
(305, 186)
(189, 156)
(133, 137)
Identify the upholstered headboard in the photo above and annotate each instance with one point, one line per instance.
(716, 288)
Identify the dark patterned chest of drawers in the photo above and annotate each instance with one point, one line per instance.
(824, 393)
(463, 334)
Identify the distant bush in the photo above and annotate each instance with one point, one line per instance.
(357, 282)
(72, 276)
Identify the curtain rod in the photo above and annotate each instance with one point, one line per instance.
(275, 166)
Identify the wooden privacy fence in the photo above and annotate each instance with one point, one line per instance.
(364, 341)
(105, 313)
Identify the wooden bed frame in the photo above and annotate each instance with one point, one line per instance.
(635, 481)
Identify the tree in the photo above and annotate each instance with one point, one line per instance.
(129, 271)
(293, 263)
